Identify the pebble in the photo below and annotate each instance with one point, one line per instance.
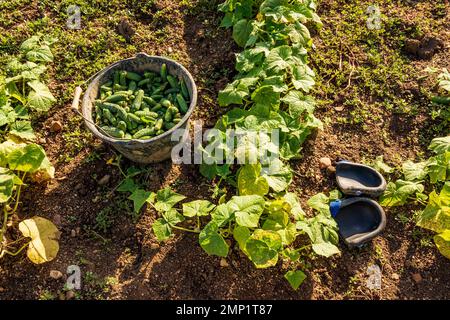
(56, 126)
(395, 276)
(73, 233)
(57, 219)
(223, 263)
(70, 295)
(154, 246)
(417, 277)
(331, 169)
(55, 274)
(325, 162)
(105, 180)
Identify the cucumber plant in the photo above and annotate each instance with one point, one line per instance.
(266, 221)
(21, 159)
(435, 169)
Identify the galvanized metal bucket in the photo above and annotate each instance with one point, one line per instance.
(157, 148)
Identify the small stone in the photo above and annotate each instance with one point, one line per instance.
(57, 219)
(2, 289)
(73, 233)
(104, 181)
(56, 126)
(395, 276)
(331, 169)
(223, 263)
(339, 108)
(55, 274)
(169, 49)
(42, 141)
(325, 162)
(154, 246)
(70, 295)
(417, 277)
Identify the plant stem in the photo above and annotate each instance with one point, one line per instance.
(184, 229)
(18, 251)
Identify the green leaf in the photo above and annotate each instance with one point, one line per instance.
(440, 145)
(436, 215)
(6, 184)
(266, 95)
(222, 214)
(320, 202)
(40, 98)
(166, 199)
(127, 185)
(398, 193)
(302, 78)
(296, 208)
(140, 197)
(380, 165)
(247, 209)
(236, 91)
(276, 82)
(295, 278)
(442, 242)
(44, 236)
(298, 103)
(23, 130)
(325, 249)
(241, 235)
(241, 31)
(278, 175)
(250, 181)
(27, 158)
(438, 166)
(173, 217)
(262, 248)
(162, 229)
(40, 54)
(414, 171)
(197, 208)
(279, 59)
(212, 242)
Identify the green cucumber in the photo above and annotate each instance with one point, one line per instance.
(165, 103)
(163, 72)
(184, 90)
(144, 132)
(113, 132)
(123, 78)
(149, 100)
(138, 100)
(122, 125)
(133, 76)
(133, 118)
(172, 81)
(144, 82)
(159, 124)
(181, 103)
(132, 86)
(116, 98)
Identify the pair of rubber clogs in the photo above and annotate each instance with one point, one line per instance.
(359, 217)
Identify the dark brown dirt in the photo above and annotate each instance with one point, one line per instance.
(180, 269)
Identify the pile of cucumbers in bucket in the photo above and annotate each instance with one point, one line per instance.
(141, 106)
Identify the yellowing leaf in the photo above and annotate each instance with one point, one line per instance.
(44, 236)
(442, 241)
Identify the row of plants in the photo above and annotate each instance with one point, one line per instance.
(263, 220)
(418, 178)
(23, 94)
